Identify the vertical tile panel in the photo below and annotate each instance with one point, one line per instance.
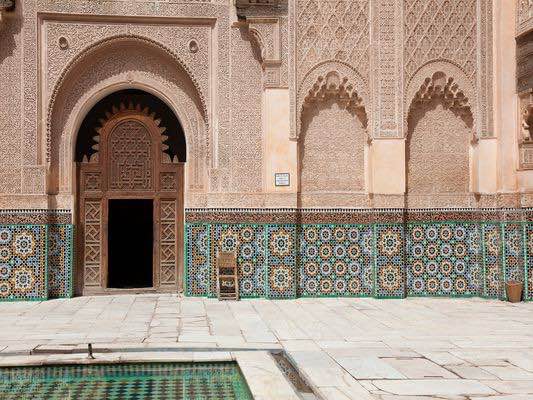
(390, 264)
(60, 260)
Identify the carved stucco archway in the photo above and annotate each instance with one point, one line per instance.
(426, 73)
(347, 76)
(329, 86)
(114, 64)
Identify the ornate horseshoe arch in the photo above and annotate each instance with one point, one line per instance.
(129, 161)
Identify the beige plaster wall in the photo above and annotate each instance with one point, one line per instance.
(280, 151)
(505, 94)
(388, 166)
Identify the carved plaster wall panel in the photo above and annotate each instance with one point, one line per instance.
(64, 41)
(455, 35)
(332, 129)
(328, 36)
(387, 68)
(11, 57)
(242, 150)
(174, 36)
(194, 14)
(524, 16)
(438, 136)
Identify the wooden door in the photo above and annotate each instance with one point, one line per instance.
(129, 162)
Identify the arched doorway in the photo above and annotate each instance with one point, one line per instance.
(130, 156)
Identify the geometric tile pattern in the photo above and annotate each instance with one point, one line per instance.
(513, 239)
(281, 262)
(443, 260)
(60, 260)
(528, 294)
(198, 265)
(390, 265)
(383, 260)
(158, 381)
(23, 262)
(492, 261)
(336, 260)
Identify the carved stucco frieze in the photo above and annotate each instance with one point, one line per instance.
(82, 38)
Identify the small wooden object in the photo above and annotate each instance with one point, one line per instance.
(228, 279)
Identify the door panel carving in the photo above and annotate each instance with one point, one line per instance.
(93, 241)
(128, 164)
(168, 241)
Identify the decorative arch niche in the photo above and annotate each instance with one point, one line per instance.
(333, 136)
(113, 64)
(440, 128)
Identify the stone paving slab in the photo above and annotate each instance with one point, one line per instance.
(365, 349)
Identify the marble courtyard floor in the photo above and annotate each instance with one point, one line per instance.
(411, 349)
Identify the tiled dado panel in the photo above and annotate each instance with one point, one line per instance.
(290, 260)
(468, 254)
(36, 261)
(443, 259)
(336, 260)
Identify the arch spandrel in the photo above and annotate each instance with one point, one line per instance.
(123, 63)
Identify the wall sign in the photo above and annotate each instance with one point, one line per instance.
(283, 179)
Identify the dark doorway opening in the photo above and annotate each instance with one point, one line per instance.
(130, 243)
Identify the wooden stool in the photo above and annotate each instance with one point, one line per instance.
(228, 277)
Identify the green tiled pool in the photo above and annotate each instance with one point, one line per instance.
(158, 381)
